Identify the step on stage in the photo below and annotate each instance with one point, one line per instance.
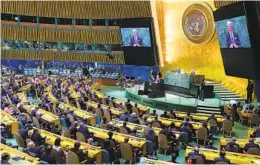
(176, 101)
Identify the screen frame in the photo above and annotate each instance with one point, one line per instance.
(233, 21)
(228, 12)
(145, 22)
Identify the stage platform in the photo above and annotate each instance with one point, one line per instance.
(170, 101)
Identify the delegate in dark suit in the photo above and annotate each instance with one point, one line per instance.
(251, 144)
(136, 40)
(231, 38)
(84, 130)
(37, 138)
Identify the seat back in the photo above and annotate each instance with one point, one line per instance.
(163, 141)
(78, 104)
(111, 104)
(202, 133)
(104, 101)
(99, 113)
(145, 133)
(66, 132)
(136, 111)
(19, 140)
(126, 151)
(36, 122)
(105, 157)
(58, 157)
(227, 126)
(221, 163)
(66, 100)
(233, 149)
(253, 151)
(27, 117)
(107, 115)
(123, 130)
(156, 124)
(199, 160)
(254, 120)
(80, 137)
(212, 122)
(103, 126)
(171, 116)
(73, 158)
(124, 107)
(71, 119)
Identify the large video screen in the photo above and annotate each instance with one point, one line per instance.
(233, 33)
(136, 37)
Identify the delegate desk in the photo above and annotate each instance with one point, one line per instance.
(138, 127)
(79, 113)
(25, 88)
(50, 96)
(166, 121)
(114, 111)
(67, 143)
(23, 98)
(23, 157)
(235, 158)
(246, 114)
(241, 142)
(46, 116)
(9, 120)
(198, 116)
(119, 138)
(141, 107)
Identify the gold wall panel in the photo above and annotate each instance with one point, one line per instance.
(79, 9)
(33, 34)
(179, 52)
(219, 4)
(60, 56)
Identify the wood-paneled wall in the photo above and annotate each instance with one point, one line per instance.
(79, 9)
(60, 56)
(53, 35)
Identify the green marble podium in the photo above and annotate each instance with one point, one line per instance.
(177, 79)
(182, 80)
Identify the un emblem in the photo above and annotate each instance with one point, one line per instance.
(198, 23)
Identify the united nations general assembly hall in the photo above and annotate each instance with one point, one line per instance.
(130, 82)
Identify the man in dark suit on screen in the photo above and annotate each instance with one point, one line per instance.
(232, 38)
(136, 40)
